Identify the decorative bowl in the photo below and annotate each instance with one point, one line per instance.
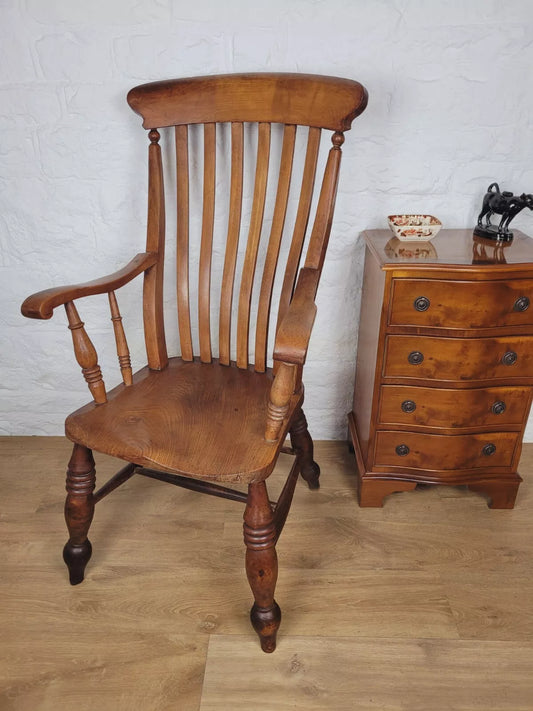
(414, 228)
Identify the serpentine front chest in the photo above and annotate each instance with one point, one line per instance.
(444, 365)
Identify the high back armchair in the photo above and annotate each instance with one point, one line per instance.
(217, 414)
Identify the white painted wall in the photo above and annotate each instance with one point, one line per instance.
(451, 107)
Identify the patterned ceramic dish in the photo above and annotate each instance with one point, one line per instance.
(414, 228)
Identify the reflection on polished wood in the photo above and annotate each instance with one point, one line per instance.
(382, 605)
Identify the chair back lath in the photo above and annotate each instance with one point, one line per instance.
(293, 100)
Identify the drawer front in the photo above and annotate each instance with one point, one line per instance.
(458, 359)
(433, 407)
(461, 304)
(445, 452)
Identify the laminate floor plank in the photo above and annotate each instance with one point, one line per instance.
(349, 674)
(422, 604)
(491, 606)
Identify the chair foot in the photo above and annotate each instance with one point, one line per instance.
(262, 564)
(76, 558)
(303, 446)
(266, 621)
(79, 510)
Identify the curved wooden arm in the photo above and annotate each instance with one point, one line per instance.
(42, 304)
(294, 332)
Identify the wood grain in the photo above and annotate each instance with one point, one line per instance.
(154, 323)
(86, 355)
(195, 427)
(232, 242)
(346, 674)
(188, 418)
(443, 383)
(300, 225)
(480, 359)
(208, 220)
(448, 409)
(461, 304)
(42, 304)
(382, 606)
(311, 100)
(274, 242)
(445, 453)
(123, 352)
(252, 245)
(182, 245)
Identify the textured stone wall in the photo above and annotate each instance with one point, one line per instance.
(451, 106)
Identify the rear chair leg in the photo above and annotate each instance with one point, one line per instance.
(79, 509)
(262, 564)
(303, 446)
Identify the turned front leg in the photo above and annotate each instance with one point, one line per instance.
(262, 564)
(79, 510)
(303, 446)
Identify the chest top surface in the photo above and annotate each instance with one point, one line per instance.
(450, 248)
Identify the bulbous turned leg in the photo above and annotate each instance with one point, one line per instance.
(79, 509)
(303, 446)
(262, 565)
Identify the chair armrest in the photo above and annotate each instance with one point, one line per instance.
(42, 304)
(293, 335)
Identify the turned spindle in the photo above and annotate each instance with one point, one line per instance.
(280, 396)
(120, 339)
(86, 354)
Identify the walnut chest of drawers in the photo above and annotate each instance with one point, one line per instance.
(444, 370)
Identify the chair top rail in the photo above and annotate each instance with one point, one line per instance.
(300, 99)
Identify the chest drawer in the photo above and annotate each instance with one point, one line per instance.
(461, 304)
(412, 406)
(445, 452)
(458, 359)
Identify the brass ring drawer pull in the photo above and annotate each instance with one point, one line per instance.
(402, 450)
(422, 303)
(498, 407)
(488, 449)
(509, 358)
(521, 304)
(416, 357)
(408, 406)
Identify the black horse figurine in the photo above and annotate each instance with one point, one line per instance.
(505, 204)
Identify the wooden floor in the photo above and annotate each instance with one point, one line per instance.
(424, 605)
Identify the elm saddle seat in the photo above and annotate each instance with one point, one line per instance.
(215, 414)
(174, 419)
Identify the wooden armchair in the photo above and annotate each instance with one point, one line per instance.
(199, 420)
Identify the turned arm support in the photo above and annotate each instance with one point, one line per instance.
(290, 350)
(42, 304)
(292, 338)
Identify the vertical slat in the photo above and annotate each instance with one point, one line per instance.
(234, 225)
(154, 326)
(208, 218)
(123, 351)
(182, 249)
(254, 234)
(269, 271)
(302, 219)
(326, 204)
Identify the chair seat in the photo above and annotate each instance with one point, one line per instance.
(200, 420)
